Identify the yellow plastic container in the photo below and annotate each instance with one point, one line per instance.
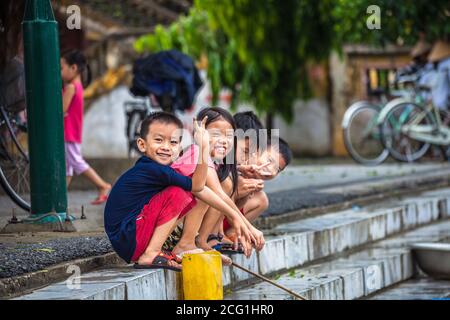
(202, 276)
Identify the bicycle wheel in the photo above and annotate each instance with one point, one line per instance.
(399, 144)
(134, 121)
(362, 135)
(14, 161)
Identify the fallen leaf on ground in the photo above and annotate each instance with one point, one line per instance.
(45, 250)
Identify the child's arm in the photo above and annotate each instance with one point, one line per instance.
(212, 181)
(201, 137)
(69, 92)
(235, 218)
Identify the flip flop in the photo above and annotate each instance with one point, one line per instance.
(100, 199)
(161, 261)
(213, 236)
(173, 255)
(227, 248)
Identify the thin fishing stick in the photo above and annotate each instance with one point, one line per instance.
(269, 281)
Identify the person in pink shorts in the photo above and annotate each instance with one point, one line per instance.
(73, 64)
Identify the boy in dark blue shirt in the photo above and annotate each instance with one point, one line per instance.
(147, 200)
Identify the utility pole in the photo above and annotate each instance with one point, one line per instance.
(45, 114)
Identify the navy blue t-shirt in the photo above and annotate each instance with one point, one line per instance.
(132, 191)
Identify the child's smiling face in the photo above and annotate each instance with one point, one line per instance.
(274, 160)
(162, 143)
(221, 135)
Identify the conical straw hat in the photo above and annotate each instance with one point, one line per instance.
(420, 48)
(440, 51)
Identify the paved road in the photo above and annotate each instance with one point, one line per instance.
(319, 176)
(303, 182)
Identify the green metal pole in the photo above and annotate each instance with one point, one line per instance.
(44, 111)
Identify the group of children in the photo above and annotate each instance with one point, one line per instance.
(214, 188)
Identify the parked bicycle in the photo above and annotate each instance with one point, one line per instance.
(14, 161)
(410, 126)
(362, 134)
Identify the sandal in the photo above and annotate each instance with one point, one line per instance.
(173, 255)
(227, 248)
(224, 247)
(161, 261)
(100, 199)
(213, 236)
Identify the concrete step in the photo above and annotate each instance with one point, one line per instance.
(416, 289)
(360, 274)
(294, 245)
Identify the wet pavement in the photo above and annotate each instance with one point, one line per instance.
(417, 289)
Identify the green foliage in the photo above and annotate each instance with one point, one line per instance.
(401, 21)
(260, 50)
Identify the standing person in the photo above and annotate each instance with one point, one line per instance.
(73, 65)
(440, 91)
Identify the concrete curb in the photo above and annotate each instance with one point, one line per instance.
(305, 242)
(357, 275)
(10, 287)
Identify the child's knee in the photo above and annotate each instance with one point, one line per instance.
(262, 199)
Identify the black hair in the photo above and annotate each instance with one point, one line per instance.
(76, 57)
(224, 169)
(284, 150)
(160, 116)
(247, 120)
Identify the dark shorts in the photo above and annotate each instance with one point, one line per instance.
(170, 203)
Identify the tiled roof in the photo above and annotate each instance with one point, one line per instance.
(131, 13)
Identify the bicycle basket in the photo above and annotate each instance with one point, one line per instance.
(12, 86)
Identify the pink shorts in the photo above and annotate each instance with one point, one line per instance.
(74, 159)
(164, 206)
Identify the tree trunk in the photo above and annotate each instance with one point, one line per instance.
(11, 14)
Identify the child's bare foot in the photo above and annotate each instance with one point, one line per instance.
(102, 194)
(202, 243)
(182, 248)
(226, 261)
(103, 191)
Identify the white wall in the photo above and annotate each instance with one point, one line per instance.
(104, 126)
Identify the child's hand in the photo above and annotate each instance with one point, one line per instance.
(248, 170)
(260, 241)
(248, 186)
(243, 235)
(201, 135)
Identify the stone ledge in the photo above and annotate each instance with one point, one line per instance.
(347, 278)
(312, 238)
